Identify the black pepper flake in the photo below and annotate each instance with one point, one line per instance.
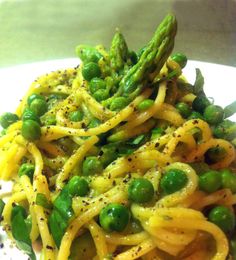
(129, 159)
(85, 203)
(139, 249)
(101, 153)
(125, 180)
(49, 247)
(83, 125)
(1, 245)
(157, 144)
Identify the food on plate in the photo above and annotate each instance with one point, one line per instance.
(121, 158)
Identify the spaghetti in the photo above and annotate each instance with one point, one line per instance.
(114, 138)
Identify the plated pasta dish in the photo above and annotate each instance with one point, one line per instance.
(120, 158)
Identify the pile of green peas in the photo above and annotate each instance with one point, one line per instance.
(201, 109)
(37, 106)
(100, 88)
(201, 106)
(115, 217)
(92, 73)
(213, 180)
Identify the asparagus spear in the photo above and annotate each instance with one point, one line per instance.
(153, 58)
(118, 52)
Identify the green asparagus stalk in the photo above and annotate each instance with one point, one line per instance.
(119, 52)
(153, 58)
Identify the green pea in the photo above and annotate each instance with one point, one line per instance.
(39, 106)
(118, 103)
(180, 58)
(210, 181)
(94, 123)
(200, 103)
(215, 154)
(140, 190)
(173, 180)
(33, 97)
(87, 53)
(228, 180)
(223, 217)
(29, 114)
(7, 119)
(91, 70)
(91, 165)
(114, 217)
(76, 116)
(195, 115)
(49, 119)
(225, 130)
(157, 132)
(31, 130)
(78, 186)
(213, 114)
(145, 104)
(183, 109)
(96, 84)
(26, 169)
(101, 94)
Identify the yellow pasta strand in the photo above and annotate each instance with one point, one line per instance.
(73, 160)
(26, 185)
(99, 239)
(137, 251)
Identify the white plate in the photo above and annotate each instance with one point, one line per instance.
(220, 83)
